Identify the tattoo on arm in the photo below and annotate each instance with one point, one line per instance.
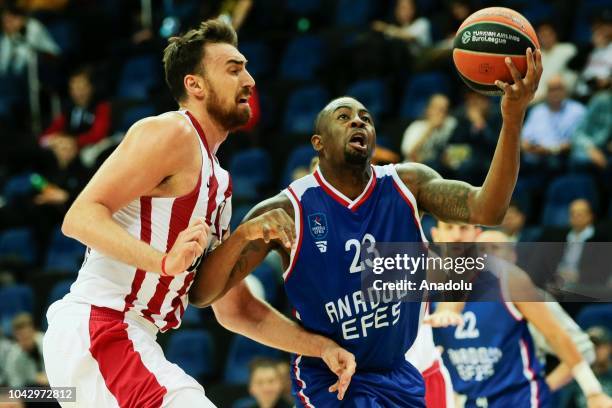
(447, 200)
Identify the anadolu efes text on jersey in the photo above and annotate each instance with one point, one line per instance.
(323, 280)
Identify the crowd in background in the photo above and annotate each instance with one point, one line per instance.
(74, 75)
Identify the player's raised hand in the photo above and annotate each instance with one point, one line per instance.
(271, 225)
(342, 363)
(600, 400)
(189, 245)
(444, 318)
(518, 95)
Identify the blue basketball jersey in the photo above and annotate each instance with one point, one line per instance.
(491, 357)
(323, 280)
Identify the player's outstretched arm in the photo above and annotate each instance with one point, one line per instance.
(241, 312)
(538, 314)
(268, 226)
(456, 201)
(127, 175)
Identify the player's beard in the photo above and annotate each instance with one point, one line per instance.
(355, 158)
(230, 118)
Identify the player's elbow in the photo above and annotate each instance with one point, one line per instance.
(491, 218)
(228, 314)
(70, 223)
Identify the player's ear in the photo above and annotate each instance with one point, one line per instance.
(434, 234)
(194, 85)
(317, 142)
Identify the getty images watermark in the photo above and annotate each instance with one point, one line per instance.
(407, 266)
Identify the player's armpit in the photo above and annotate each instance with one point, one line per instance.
(447, 200)
(244, 250)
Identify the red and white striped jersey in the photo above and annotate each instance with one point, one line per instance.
(106, 282)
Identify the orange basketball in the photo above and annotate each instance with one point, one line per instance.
(482, 42)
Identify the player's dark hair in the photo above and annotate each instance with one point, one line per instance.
(184, 54)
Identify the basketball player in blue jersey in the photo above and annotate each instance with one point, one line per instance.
(345, 205)
(491, 356)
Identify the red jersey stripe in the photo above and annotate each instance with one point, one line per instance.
(122, 369)
(145, 235)
(171, 319)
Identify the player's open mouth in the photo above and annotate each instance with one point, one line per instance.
(243, 100)
(358, 141)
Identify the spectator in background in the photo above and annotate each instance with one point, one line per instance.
(25, 365)
(425, 140)
(284, 372)
(265, 384)
(595, 62)
(20, 39)
(547, 133)
(602, 368)
(513, 223)
(555, 58)
(592, 140)
(84, 121)
(582, 229)
(474, 138)
(406, 27)
(5, 346)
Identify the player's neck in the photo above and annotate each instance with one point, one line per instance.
(214, 133)
(349, 180)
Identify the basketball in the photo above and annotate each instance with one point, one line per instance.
(484, 40)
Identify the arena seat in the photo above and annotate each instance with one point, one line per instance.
(133, 114)
(14, 299)
(17, 245)
(561, 192)
(59, 290)
(301, 156)
(64, 254)
(418, 91)
(251, 171)
(192, 350)
(595, 315)
(373, 94)
(259, 57)
(138, 77)
(302, 58)
(353, 13)
(302, 108)
(242, 352)
(269, 280)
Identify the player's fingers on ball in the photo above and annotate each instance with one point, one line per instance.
(531, 71)
(503, 86)
(538, 61)
(516, 75)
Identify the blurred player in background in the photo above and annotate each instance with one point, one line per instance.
(344, 205)
(158, 204)
(491, 356)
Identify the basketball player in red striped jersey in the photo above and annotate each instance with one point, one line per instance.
(149, 216)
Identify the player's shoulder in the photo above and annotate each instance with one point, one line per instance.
(169, 128)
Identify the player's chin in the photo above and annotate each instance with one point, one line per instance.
(355, 157)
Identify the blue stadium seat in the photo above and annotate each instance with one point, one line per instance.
(259, 57)
(238, 215)
(418, 91)
(17, 186)
(303, 8)
(353, 13)
(595, 315)
(59, 290)
(373, 94)
(246, 402)
(301, 156)
(269, 280)
(64, 34)
(17, 244)
(64, 254)
(242, 352)
(302, 58)
(134, 114)
(192, 316)
(192, 350)
(14, 299)
(253, 164)
(302, 108)
(138, 77)
(562, 192)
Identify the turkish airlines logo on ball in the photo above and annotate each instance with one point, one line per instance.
(465, 38)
